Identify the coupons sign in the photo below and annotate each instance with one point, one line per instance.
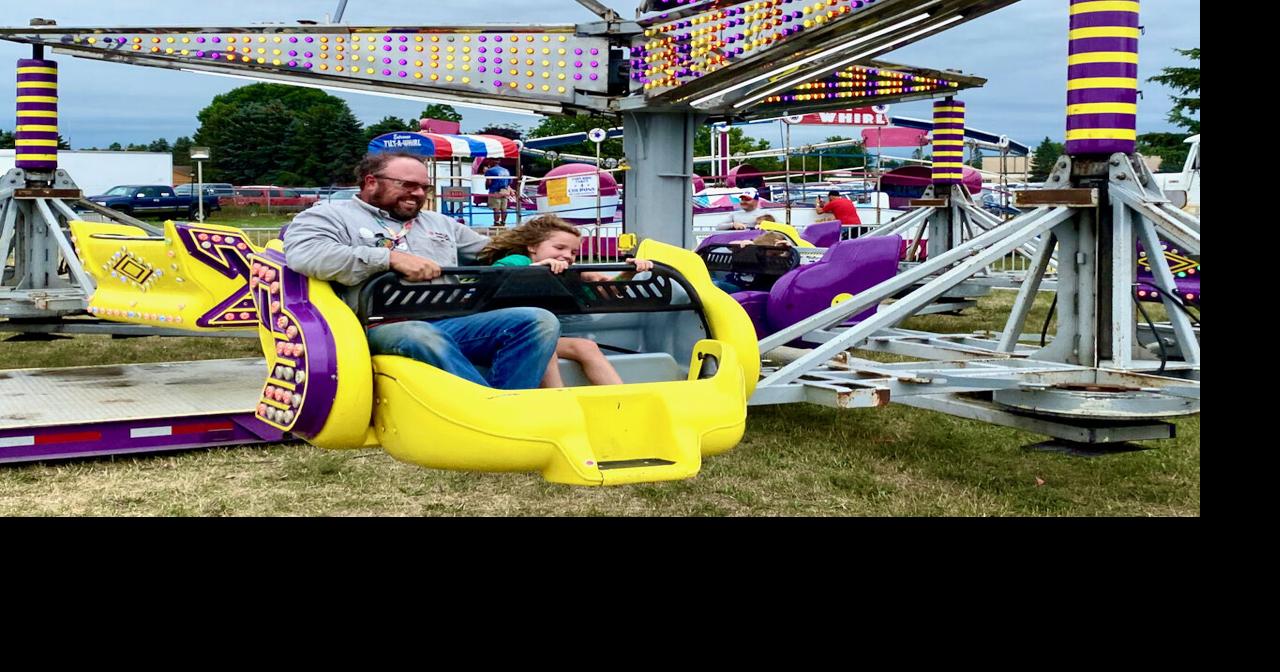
(583, 185)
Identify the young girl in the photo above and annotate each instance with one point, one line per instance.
(552, 242)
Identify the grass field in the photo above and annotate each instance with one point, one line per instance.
(796, 460)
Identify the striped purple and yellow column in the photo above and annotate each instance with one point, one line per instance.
(1102, 77)
(948, 141)
(37, 129)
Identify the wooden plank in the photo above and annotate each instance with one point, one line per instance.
(1071, 198)
(47, 193)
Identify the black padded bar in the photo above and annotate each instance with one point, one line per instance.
(765, 264)
(473, 289)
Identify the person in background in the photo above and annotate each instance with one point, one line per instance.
(747, 213)
(838, 207)
(498, 180)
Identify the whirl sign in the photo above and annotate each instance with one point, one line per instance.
(877, 115)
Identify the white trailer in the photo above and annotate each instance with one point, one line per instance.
(97, 171)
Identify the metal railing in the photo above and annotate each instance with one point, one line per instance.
(259, 235)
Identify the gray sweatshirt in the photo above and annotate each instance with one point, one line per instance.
(338, 241)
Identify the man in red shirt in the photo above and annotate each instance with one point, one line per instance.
(840, 208)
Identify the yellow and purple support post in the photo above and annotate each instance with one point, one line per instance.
(1102, 77)
(948, 170)
(948, 141)
(36, 133)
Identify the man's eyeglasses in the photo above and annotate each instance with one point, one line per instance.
(408, 185)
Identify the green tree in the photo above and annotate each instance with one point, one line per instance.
(837, 158)
(385, 125)
(1045, 156)
(116, 147)
(509, 131)
(159, 145)
(1185, 81)
(182, 151)
(437, 111)
(739, 143)
(284, 178)
(252, 134)
(1170, 147)
(248, 142)
(326, 142)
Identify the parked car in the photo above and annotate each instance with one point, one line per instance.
(271, 197)
(342, 195)
(153, 199)
(216, 188)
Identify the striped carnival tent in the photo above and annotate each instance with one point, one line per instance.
(439, 146)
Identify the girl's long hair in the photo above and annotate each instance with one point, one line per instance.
(768, 238)
(521, 238)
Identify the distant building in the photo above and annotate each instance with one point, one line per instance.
(1014, 168)
(96, 171)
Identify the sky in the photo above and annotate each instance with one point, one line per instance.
(1020, 49)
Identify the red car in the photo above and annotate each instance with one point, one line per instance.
(265, 196)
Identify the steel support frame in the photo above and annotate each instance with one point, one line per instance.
(969, 258)
(659, 183)
(32, 233)
(31, 230)
(1096, 352)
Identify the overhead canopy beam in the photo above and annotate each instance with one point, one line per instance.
(548, 69)
(875, 83)
(726, 58)
(737, 60)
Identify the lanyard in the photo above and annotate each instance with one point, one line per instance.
(393, 239)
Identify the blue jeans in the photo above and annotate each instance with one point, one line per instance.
(514, 343)
(727, 282)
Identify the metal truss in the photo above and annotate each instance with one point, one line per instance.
(1098, 380)
(47, 279)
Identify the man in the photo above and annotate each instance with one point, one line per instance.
(745, 217)
(499, 182)
(839, 208)
(383, 228)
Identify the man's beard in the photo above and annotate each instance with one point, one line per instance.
(381, 198)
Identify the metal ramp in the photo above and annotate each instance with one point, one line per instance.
(107, 410)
